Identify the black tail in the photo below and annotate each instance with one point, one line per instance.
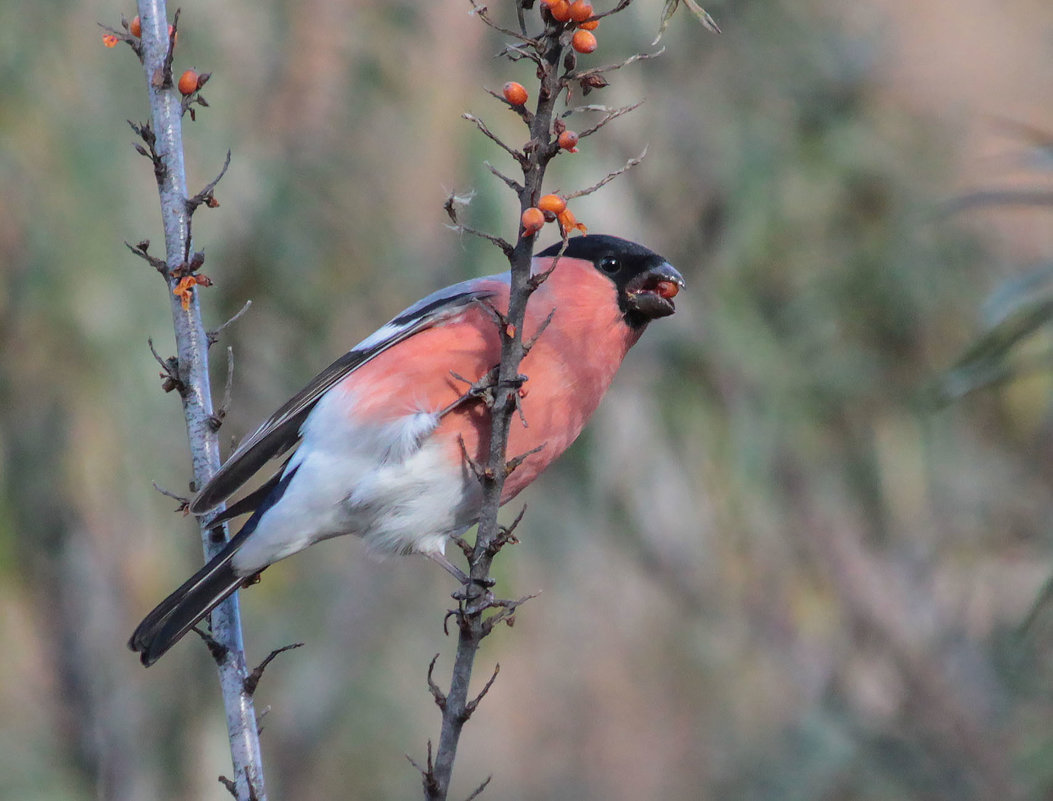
(185, 608)
(211, 585)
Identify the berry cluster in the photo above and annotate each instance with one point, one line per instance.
(579, 16)
(548, 209)
(578, 13)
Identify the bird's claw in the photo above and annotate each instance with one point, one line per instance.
(472, 603)
(483, 389)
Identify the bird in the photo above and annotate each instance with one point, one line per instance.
(383, 441)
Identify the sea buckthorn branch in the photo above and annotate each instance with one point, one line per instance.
(568, 31)
(154, 41)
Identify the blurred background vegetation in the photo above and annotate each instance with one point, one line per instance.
(773, 568)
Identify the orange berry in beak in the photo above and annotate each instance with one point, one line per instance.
(667, 289)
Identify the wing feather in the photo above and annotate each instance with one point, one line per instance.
(281, 431)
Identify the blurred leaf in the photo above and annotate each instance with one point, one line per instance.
(670, 8)
(1018, 293)
(986, 362)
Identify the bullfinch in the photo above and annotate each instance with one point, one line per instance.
(382, 434)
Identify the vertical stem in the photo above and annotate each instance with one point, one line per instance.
(471, 623)
(192, 351)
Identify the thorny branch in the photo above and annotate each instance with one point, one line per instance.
(478, 611)
(187, 371)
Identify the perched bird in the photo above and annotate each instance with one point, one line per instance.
(384, 430)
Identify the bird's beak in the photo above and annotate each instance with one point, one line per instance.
(651, 293)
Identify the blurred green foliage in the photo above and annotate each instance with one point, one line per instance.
(771, 569)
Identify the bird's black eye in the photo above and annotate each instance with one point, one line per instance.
(610, 265)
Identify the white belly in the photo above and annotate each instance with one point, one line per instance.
(388, 484)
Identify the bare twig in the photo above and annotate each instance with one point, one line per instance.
(139, 249)
(436, 692)
(213, 334)
(478, 790)
(450, 206)
(158, 46)
(506, 535)
(608, 178)
(612, 115)
(217, 419)
(216, 649)
(577, 76)
(232, 788)
(506, 611)
(518, 52)
(512, 464)
(511, 183)
(206, 195)
(184, 502)
(503, 244)
(520, 157)
(481, 12)
(169, 370)
(527, 346)
(427, 773)
(252, 681)
(622, 5)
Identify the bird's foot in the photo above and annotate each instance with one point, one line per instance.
(482, 390)
(460, 575)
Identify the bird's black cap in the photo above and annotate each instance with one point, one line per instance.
(646, 282)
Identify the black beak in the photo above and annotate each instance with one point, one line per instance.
(650, 294)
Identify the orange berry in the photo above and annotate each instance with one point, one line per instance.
(583, 41)
(590, 25)
(533, 220)
(580, 10)
(136, 28)
(667, 289)
(552, 203)
(560, 11)
(188, 82)
(110, 40)
(568, 140)
(515, 93)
